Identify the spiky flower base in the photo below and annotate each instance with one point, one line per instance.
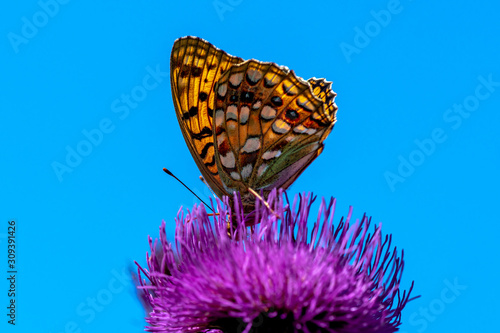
(275, 276)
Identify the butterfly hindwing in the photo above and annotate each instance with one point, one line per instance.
(269, 126)
(304, 140)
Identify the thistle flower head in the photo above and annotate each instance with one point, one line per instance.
(276, 276)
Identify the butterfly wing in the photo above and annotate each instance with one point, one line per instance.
(195, 67)
(269, 125)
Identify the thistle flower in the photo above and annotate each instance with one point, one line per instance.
(276, 276)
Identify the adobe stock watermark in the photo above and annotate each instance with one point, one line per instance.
(364, 35)
(426, 315)
(121, 107)
(223, 6)
(31, 25)
(88, 309)
(454, 117)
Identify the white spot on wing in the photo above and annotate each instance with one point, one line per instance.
(244, 113)
(228, 161)
(268, 113)
(222, 90)
(232, 112)
(271, 154)
(235, 175)
(251, 145)
(280, 126)
(219, 117)
(246, 171)
(262, 168)
(257, 105)
(236, 79)
(254, 75)
(300, 129)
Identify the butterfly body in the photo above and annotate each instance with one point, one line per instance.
(248, 124)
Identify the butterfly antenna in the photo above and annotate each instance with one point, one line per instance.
(171, 174)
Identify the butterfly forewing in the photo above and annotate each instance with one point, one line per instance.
(195, 67)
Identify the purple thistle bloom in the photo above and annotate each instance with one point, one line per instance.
(276, 276)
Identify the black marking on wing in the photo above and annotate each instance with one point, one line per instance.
(250, 81)
(205, 149)
(210, 164)
(191, 70)
(246, 97)
(291, 114)
(269, 83)
(204, 133)
(277, 101)
(193, 111)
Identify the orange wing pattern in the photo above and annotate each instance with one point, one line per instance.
(195, 67)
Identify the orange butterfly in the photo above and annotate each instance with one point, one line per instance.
(248, 124)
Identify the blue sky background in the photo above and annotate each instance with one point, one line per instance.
(401, 150)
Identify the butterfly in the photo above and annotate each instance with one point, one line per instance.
(248, 124)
